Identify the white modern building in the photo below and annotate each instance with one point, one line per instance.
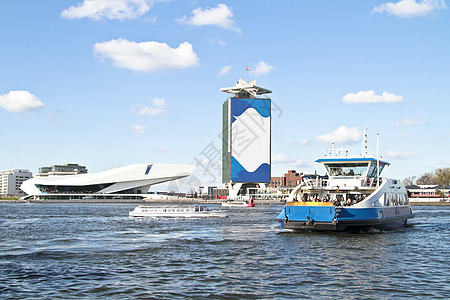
(129, 180)
(11, 180)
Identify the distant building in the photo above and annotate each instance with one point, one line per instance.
(58, 170)
(428, 193)
(11, 180)
(290, 179)
(220, 193)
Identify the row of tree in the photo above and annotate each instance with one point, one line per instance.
(438, 177)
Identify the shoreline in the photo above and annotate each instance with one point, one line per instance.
(143, 201)
(177, 201)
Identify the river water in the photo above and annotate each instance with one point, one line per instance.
(70, 251)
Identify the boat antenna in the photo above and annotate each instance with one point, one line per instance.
(364, 142)
(378, 163)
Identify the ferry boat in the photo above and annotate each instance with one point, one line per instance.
(198, 211)
(351, 196)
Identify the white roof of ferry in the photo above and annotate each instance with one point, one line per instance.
(349, 159)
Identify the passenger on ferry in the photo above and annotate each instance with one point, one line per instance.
(334, 201)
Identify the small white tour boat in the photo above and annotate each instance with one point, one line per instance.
(198, 211)
(240, 202)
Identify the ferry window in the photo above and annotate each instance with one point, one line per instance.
(380, 201)
(373, 169)
(392, 201)
(386, 199)
(353, 169)
(403, 198)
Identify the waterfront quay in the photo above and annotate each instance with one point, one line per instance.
(135, 200)
(169, 200)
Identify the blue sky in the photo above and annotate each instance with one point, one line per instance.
(111, 83)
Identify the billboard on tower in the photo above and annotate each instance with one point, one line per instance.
(246, 140)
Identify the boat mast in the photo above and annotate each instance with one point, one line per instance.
(364, 142)
(378, 163)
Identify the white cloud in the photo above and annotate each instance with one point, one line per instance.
(218, 16)
(410, 122)
(303, 142)
(139, 129)
(157, 109)
(342, 135)
(370, 97)
(19, 101)
(262, 68)
(399, 155)
(217, 42)
(410, 8)
(147, 56)
(162, 150)
(280, 158)
(299, 163)
(225, 70)
(442, 164)
(110, 9)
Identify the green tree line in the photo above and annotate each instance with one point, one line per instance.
(440, 176)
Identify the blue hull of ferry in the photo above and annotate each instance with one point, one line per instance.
(330, 218)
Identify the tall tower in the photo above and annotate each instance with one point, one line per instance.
(246, 136)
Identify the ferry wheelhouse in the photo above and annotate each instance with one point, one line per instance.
(351, 196)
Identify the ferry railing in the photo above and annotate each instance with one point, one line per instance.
(318, 181)
(324, 182)
(371, 181)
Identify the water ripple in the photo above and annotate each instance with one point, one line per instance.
(96, 251)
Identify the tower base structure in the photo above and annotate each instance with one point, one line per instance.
(243, 190)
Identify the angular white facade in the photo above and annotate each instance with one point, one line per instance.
(132, 179)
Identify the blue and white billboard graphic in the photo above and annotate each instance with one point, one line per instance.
(250, 139)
